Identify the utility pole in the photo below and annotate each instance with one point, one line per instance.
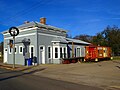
(72, 49)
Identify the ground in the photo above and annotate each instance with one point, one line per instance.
(17, 80)
(105, 74)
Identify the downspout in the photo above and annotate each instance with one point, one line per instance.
(37, 48)
(72, 49)
(52, 53)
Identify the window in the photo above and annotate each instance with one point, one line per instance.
(10, 50)
(32, 51)
(49, 52)
(56, 52)
(6, 50)
(60, 52)
(78, 52)
(15, 49)
(64, 52)
(20, 49)
(41, 48)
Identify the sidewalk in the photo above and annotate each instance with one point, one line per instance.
(17, 67)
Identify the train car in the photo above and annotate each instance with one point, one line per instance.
(95, 53)
(91, 53)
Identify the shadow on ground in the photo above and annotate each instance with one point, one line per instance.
(19, 73)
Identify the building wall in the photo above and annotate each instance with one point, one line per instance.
(82, 50)
(40, 40)
(61, 53)
(40, 37)
(19, 58)
(45, 40)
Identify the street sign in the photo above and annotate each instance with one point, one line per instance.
(11, 43)
(13, 31)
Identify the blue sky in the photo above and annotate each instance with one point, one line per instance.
(76, 16)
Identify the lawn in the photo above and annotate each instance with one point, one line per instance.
(116, 58)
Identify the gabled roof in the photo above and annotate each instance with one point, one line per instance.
(39, 25)
(77, 41)
(60, 40)
(69, 40)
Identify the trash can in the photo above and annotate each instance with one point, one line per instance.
(29, 62)
(34, 60)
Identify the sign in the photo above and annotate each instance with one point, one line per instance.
(13, 31)
(11, 43)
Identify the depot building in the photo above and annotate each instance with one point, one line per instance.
(47, 44)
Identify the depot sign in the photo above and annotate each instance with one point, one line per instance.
(13, 31)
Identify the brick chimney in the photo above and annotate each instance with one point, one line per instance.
(43, 20)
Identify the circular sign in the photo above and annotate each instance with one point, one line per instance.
(13, 31)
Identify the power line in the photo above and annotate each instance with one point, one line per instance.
(36, 5)
(3, 24)
(25, 11)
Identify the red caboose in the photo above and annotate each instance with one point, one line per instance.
(95, 53)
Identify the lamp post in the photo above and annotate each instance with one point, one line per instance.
(13, 32)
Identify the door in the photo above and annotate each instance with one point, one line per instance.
(42, 54)
(5, 55)
(92, 52)
(31, 51)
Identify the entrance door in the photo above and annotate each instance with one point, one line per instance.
(31, 51)
(5, 55)
(42, 54)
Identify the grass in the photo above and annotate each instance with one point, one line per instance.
(116, 58)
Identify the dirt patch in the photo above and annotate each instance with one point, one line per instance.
(105, 74)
